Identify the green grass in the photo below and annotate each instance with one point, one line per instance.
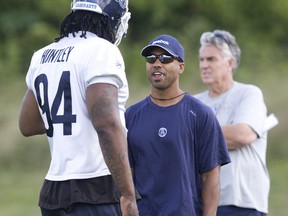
(20, 187)
(19, 192)
(278, 199)
(22, 173)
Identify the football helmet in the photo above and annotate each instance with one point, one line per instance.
(116, 10)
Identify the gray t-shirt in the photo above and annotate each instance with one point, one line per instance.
(245, 181)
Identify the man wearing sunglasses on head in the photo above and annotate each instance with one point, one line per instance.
(176, 146)
(241, 111)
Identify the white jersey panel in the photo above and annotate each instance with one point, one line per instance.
(59, 75)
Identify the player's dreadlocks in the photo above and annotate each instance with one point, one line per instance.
(83, 21)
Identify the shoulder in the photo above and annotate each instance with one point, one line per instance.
(247, 87)
(195, 102)
(201, 95)
(140, 108)
(200, 110)
(90, 45)
(247, 90)
(98, 55)
(97, 45)
(136, 107)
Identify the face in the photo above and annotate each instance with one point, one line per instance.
(163, 76)
(214, 68)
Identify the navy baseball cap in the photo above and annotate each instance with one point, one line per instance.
(166, 42)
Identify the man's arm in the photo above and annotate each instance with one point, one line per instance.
(210, 191)
(30, 121)
(102, 104)
(238, 135)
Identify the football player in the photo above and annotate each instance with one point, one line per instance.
(77, 89)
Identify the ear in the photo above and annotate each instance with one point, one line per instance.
(232, 62)
(181, 67)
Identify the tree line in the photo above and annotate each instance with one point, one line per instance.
(259, 26)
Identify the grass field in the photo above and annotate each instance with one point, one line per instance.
(24, 162)
(20, 185)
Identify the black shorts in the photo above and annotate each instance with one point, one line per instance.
(65, 195)
(81, 209)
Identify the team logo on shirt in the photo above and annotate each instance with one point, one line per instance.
(162, 132)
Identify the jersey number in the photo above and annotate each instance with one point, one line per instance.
(63, 95)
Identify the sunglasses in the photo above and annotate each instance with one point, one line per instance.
(164, 59)
(222, 37)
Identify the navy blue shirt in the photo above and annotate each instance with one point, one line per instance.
(169, 148)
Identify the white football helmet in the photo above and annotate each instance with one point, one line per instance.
(116, 10)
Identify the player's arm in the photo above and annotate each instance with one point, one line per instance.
(30, 121)
(102, 104)
(210, 191)
(238, 135)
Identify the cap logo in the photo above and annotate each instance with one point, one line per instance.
(161, 42)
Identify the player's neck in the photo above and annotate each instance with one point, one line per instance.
(166, 99)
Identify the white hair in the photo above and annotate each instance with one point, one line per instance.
(226, 42)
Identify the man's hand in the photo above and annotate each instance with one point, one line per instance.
(128, 206)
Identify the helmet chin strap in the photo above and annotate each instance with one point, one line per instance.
(122, 29)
